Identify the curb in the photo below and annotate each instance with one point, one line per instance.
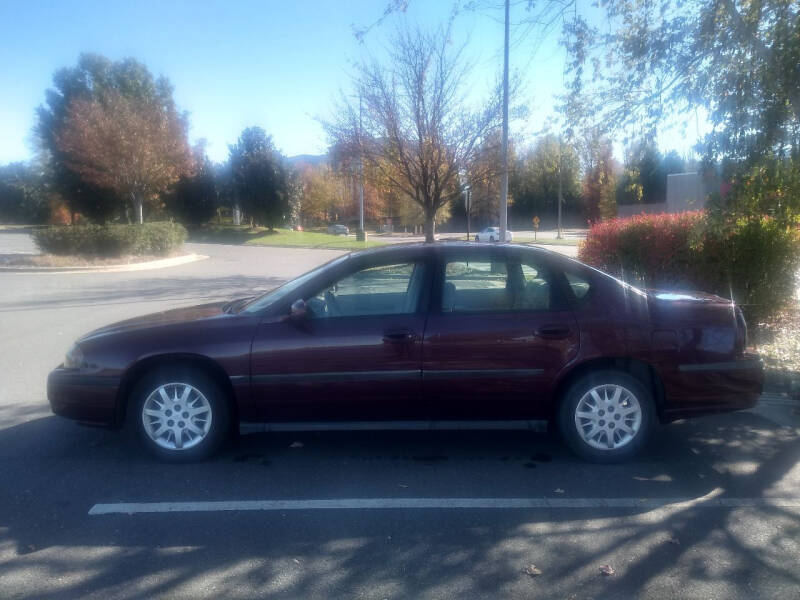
(782, 382)
(143, 266)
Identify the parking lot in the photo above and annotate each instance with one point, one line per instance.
(711, 510)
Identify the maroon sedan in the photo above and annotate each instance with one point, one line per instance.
(419, 333)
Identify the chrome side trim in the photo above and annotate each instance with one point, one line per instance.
(389, 375)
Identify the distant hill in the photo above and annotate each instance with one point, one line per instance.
(308, 159)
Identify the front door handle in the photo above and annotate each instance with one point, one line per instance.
(553, 332)
(394, 336)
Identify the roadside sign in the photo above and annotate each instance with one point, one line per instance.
(535, 226)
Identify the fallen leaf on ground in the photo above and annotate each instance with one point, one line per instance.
(558, 491)
(607, 570)
(403, 485)
(675, 541)
(296, 560)
(296, 445)
(532, 570)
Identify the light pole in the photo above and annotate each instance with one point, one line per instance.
(560, 196)
(467, 205)
(361, 234)
(504, 173)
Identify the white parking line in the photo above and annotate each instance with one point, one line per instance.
(708, 501)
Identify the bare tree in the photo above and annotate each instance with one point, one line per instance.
(411, 124)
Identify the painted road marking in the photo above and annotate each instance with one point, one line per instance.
(708, 501)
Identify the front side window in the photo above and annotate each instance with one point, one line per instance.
(286, 290)
(486, 285)
(381, 290)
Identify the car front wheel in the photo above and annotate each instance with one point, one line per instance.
(179, 414)
(607, 416)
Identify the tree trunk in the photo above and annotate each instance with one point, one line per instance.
(138, 207)
(429, 228)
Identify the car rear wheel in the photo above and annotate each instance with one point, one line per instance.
(477, 239)
(607, 416)
(179, 414)
(491, 238)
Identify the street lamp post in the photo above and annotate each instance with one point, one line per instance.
(361, 233)
(504, 173)
(468, 206)
(560, 195)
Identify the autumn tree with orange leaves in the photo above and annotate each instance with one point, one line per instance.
(134, 147)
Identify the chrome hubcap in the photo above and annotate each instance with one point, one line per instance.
(608, 417)
(176, 416)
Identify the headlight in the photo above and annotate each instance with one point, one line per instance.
(74, 358)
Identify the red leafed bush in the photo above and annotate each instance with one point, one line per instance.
(753, 259)
(654, 249)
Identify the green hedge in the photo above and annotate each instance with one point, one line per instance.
(754, 259)
(149, 239)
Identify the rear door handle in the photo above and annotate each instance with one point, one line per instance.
(553, 332)
(394, 336)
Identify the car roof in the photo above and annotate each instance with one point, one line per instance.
(449, 245)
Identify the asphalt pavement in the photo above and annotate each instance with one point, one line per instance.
(710, 510)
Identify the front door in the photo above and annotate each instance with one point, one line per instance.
(497, 338)
(357, 354)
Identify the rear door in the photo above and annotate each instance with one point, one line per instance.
(498, 333)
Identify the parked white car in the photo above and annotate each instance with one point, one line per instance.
(492, 234)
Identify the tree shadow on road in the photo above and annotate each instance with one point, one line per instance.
(49, 544)
(148, 290)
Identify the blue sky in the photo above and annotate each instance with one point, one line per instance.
(233, 64)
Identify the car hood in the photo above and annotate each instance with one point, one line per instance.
(166, 317)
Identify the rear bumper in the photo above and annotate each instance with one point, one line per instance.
(83, 397)
(707, 388)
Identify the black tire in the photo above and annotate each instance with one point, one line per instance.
(477, 239)
(491, 238)
(216, 399)
(569, 428)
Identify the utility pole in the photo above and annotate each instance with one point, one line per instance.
(560, 198)
(504, 173)
(468, 206)
(360, 175)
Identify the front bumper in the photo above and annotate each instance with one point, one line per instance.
(88, 398)
(707, 388)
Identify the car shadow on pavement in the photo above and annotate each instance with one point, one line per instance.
(51, 548)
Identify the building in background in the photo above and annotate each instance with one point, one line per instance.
(685, 191)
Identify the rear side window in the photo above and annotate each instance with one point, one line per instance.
(579, 285)
(486, 285)
(533, 293)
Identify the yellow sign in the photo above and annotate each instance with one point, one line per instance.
(536, 222)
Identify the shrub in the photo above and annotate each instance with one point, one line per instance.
(111, 240)
(649, 249)
(755, 260)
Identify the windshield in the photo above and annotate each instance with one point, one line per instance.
(281, 292)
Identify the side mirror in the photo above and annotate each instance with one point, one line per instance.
(299, 310)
